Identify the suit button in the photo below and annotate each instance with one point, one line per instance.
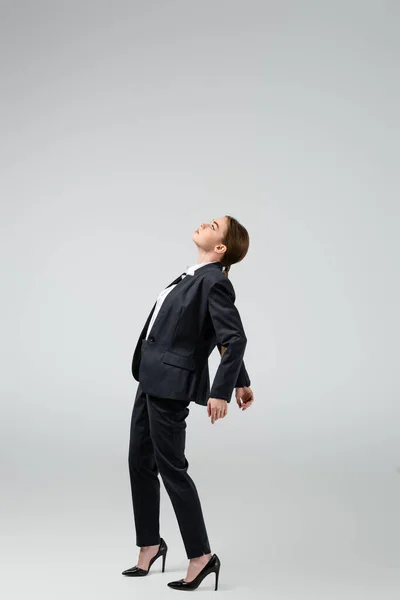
(151, 339)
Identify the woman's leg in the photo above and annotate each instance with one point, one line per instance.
(143, 471)
(168, 434)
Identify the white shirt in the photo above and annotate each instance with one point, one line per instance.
(164, 293)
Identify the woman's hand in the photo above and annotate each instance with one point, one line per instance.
(216, 408)
(244, 397)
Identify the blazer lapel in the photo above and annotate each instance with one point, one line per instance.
(178, 289)
(177, 280)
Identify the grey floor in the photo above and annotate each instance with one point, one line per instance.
(298, 531)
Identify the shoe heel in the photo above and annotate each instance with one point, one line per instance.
(163, 561)
(216, 579)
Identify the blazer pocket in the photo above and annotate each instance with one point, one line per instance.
(184, 362)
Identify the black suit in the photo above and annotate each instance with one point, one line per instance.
(198, 314)
(172, 369)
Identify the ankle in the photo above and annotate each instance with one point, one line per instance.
(201, 558)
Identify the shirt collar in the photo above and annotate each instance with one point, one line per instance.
(191, 269)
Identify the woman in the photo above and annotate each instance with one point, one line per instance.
(191, 316)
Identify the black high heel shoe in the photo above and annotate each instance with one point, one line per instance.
(138, 572)
(213, 565)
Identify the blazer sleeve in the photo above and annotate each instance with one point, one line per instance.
(229, 333)
(243, 379)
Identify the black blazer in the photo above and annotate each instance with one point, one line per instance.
(198, 314)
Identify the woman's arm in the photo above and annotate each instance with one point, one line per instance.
(243, 379)
(230, 334)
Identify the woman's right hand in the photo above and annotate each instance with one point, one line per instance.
(244, 397)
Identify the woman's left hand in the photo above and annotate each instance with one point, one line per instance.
(217, 409)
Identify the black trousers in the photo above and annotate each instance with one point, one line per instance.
(157, 446)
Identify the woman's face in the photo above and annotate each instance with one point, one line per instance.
(210, 234)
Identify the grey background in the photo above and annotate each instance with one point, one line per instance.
(123, 126)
